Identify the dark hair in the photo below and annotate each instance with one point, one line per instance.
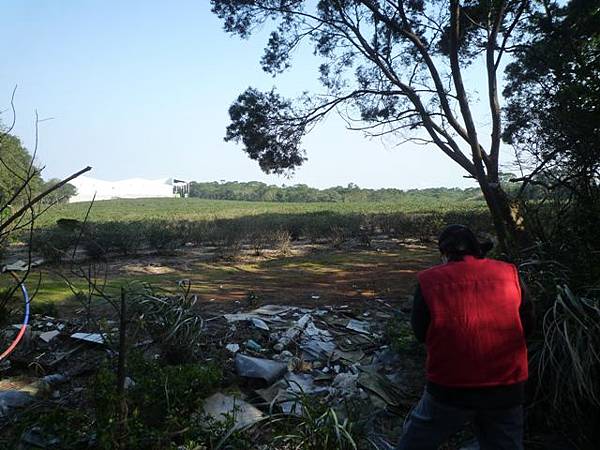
(457, 241)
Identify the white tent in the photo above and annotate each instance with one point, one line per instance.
(131, 188)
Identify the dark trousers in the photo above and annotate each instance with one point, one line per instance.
(431, 423)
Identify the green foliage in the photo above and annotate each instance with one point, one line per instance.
(71, 428)
(399, 334)
(269, 226)
(195, 209)
(15, 167)
(163, 235)
(554, 92)
(53, 243)
(260, 192)
(171, 321)
(257, 121)
(60, 195)
(163, 401)
(568, 363)
(320, 426)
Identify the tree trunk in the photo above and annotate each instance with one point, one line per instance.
(507, 219)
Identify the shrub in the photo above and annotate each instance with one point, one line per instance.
(161, 403)
(282, 241)
(171, 321)
(162, 235)
(53, 243)
(568, 363)
(320, 426)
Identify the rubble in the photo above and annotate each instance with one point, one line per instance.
(266, 369)
(233, 348)
(95, 338)
(282, 355)
(15, 394)
(49, 335)
(330, 352)
(220, 407)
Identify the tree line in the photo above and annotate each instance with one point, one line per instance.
(17, 166)
(257, 191)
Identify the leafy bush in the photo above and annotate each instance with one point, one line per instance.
(568, 363)
(171, 321)
(123, 237)
(163, 235)
(320, 426)
(53, 243)
(161, 403)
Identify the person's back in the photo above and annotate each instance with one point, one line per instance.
(473, 315)
(475, 337)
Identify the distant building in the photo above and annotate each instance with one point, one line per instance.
(132, 188)
(180, 188)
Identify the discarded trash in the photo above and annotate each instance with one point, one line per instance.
(13, 399)
(22, 266)
(351, 357)
(286, 354)
(233, 348)
(345, 383)
(295, 330)
(253, 345)
(49, 335)
(380, 385)
(95, 338)
(318, 349)
(21, 396)
(304, 383)
(359, 326)
(241, 317)
(36, 437)
(311, 330)
(272, 310)
(220, 407)
(264, 369)
(261, 324)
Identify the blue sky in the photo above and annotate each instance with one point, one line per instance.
(141, 89)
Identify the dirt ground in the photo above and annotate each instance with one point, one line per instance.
(310, 275)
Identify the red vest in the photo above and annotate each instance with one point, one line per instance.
(475, 337)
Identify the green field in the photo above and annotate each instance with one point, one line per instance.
(201, 209)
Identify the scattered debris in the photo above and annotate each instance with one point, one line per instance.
(266, 369)
(259, 323)
(233, 348)
(22, 266)
(16, 394)
(49, 335)
(95, 338)
(253, 345)
(221, 407)
(272, 310)
(38, 439)
(332, 352)
(358, 326)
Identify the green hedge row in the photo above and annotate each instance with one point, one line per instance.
(126, 238)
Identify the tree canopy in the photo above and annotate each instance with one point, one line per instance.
(16, 166)
(553, 114)
(388, 67)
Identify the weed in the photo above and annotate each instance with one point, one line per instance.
(163, 401)
(282, 241)
(171, 321)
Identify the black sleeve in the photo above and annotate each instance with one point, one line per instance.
(526, 310)
(420, 316)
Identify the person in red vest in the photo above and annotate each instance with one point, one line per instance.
(473, 314)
